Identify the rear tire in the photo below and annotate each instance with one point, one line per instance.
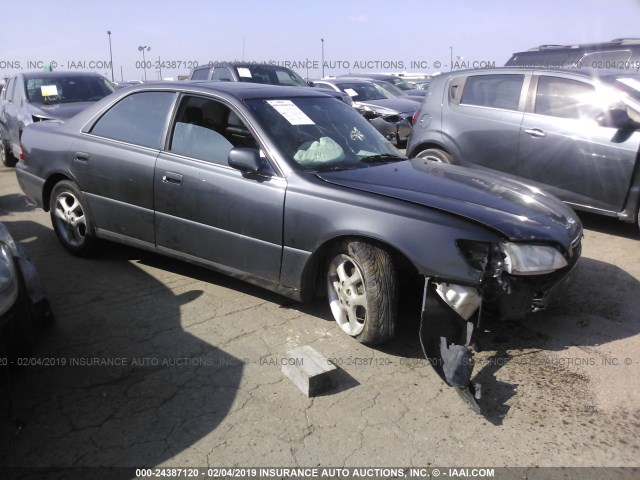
(435, 155)
(71, 219)
(363, 292)
(6, 157)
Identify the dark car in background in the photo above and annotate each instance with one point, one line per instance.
(395, 91)
(618, 54)
(572, 133)
(253, 72)
(302, 195)
(390, 115)
(36, 96)
(399, 82)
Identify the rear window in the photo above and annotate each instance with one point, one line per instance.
(139, 118)
(495, 91)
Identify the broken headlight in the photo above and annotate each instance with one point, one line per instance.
(527, 259)
(8, 280)
(512, 258)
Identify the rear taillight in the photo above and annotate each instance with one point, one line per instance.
(414, 119)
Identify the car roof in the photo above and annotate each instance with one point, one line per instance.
(612, 44)
(379, 76)
(60, 74)
(271, 66)
(241, 90)
(337, 81)
(590, 73)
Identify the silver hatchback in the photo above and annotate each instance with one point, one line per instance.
(572, 133)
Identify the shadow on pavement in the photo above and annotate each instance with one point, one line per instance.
(126, 386)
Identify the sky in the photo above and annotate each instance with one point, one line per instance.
(356, 35)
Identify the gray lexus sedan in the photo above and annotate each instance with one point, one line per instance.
(295, 191)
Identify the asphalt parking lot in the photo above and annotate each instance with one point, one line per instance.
(153, 362)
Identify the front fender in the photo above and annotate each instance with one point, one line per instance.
(426, 237)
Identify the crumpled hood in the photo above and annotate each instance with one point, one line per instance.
(518, 211)
(398, 105)
(58, 111)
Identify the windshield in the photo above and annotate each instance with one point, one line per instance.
(364, 91)
(71, 89)
(401, 84)
(321, 134)
(391, 88)
(270, 75)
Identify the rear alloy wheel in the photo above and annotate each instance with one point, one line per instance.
(435, 155)
(70, 218)
(7, 158)
(362, 291)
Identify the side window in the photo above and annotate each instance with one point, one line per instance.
(564, 98)
(495, 91)
(606, 59)
(222, 74)
(139, 118)
(207, 130)
(200, 74)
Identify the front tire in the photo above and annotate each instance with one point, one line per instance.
(435, 155)
(362, 290)
(71, 219)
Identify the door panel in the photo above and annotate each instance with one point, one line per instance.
(118, 181)
(115, 163)
(220, 215)
(569, 154)
(484, 119)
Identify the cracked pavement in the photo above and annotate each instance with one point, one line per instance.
(199, 384)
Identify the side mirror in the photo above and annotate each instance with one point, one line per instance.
(617, 118)
(246, 160)
(310, 83)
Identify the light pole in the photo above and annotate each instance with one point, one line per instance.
(110, 54)
(322, 42)
(451, 60)
(144, 60)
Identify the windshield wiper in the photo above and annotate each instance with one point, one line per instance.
(384, 157)
(335, 168)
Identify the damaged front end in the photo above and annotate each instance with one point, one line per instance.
(394, 126)
(514, 279)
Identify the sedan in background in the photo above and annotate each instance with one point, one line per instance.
(390, 115)
(33, 97)
(397, 92)
(399, 82)
(293, 190)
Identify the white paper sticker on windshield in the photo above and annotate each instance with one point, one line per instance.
(630, 82)
(291, 112)
(351, 92)
(49, 90)
(244, 72)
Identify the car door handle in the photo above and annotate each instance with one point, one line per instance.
(535, 132)
(172, 178)
(82, 157)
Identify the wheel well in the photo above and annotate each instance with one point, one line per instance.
(425, 146)
(313, 276)
(48, 187)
